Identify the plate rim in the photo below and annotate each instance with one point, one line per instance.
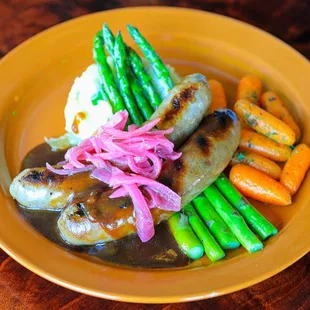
(137, 298)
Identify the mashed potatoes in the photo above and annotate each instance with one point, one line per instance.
(84, 112)
(86, 109)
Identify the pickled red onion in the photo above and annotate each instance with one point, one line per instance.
(129, 161)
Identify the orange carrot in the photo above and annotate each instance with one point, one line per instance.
(249, 88)
(273, 104)
(264, 122)
(243, 124)
(253, 141)
(296, 168)
(258, 162)
(218, 96)
(255, 184)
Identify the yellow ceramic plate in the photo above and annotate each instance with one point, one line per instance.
(35, 79)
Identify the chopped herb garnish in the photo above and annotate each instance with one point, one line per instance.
(252, 122)
(240, 156)
(95, 98)
(77, 95)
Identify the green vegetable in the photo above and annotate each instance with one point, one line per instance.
(160, 69)
(233, 220)
(211, 247)
(109, 39)
(214, 222)
(142, 102)
(96, 97)
(255, 220)
(184, 236)
(119, 56)
(106, 75)
(240, 156)
(144, 79)
(136, 89)
(101, 95)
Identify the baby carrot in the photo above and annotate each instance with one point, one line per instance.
(264, 122)
(258, 162)
(253, 141)
(274, 105)
(257, 185)
(218, 96)
(243, 124)
(249, 88)
(296, 168)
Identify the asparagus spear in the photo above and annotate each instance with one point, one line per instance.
(211, 247)
(106, 75)
(101, 95)
(214, 222)
(136, 89)
(184, 236)
(233, 220)
(119, 56)
(142, 102)
(109, 39)
(144, 79)
(160, 69)
(253, 217)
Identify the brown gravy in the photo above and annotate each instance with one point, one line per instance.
(160, 252)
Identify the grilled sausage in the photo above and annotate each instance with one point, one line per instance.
(184, 107)
(204, 156)
(78, 227)
(41, 189)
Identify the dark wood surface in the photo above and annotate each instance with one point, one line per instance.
(287, 19)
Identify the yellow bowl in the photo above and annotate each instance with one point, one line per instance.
(35, 80)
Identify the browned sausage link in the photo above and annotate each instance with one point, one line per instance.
(39, 188)
(205, 155)
(184, 108)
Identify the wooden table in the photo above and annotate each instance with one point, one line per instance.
(287, 19)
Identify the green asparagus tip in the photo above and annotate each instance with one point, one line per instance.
(184, 236)
(130, 27)
(119, 41)
(98, 39)
(256, 248)
(106, 28)
(99, 35)
(119, 36)
(132, 30)
(232, 245)
(195, 252)
(109, 39)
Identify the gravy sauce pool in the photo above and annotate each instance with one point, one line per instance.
(160, 252)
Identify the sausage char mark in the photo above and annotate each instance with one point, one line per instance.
(213, 128)
(173, 174)
(203, 143)
(43, 177)
(179, 102)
